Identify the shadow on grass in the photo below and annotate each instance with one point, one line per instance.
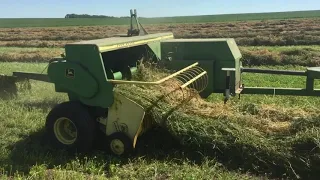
(44, 106)
(158, 144)
(236, 156)
(8, 88)
(33, 150)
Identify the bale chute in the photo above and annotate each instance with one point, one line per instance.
(11, 85)
(8, 86)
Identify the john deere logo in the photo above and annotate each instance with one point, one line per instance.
(70, 73)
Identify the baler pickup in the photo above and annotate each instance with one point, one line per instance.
(196, 70)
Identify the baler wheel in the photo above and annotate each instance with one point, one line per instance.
(69, 126)
(120, 144)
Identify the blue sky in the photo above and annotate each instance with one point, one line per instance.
(159, 8)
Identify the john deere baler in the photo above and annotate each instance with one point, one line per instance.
(88, 72)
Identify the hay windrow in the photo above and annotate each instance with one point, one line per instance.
(246, 33)
(254, 142)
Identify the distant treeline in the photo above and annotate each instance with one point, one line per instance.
(92, 16)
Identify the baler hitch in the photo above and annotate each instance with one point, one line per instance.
(132, 31)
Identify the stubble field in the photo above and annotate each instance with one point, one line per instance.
(246, 33)
(257, 137)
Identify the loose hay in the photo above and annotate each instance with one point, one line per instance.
(221, 131)
(8, 87)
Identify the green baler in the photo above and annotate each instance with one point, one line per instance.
(211, 54)
(89, 70)
(96, 61)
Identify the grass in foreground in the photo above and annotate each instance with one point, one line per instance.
(22, 153)
(262, 138)
(258, 134)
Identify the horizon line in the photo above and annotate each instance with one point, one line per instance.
(266, 12)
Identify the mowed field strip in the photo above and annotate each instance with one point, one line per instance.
(246, 33)
(62, 22)
(252, 55)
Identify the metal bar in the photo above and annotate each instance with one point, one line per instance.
(310, 84)
(280, 91)
(155, 82)
(192, 80)
(34, 76)
(227, 90)
(271, 71)
(228, 69)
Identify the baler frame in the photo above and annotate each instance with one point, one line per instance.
(311, 74)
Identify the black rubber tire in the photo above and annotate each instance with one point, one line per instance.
(126, 141)
(84, 123)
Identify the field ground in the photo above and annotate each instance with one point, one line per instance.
(22, 122)
(252, 55)
(278, 133)
(23, 119)
(246, 33)
(61, 22)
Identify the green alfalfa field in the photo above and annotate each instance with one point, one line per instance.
(251, 138)
(256, 137)
(63, 22)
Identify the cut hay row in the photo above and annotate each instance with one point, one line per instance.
(277, 144)
(35, 43)
(257, 33)
(13, 54)
(291, 55)
(252, 56)
(264, 138)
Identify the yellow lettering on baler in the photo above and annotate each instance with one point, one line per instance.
(134, 43)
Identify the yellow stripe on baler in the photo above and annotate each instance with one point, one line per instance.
(134, 43)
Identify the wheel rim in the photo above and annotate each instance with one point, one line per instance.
(117, 146)
(65, 131)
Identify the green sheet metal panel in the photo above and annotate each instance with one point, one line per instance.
(70, 77)
(102, 56)
(234, 49)
(224, 53)
(156, 48)
(88, 56)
